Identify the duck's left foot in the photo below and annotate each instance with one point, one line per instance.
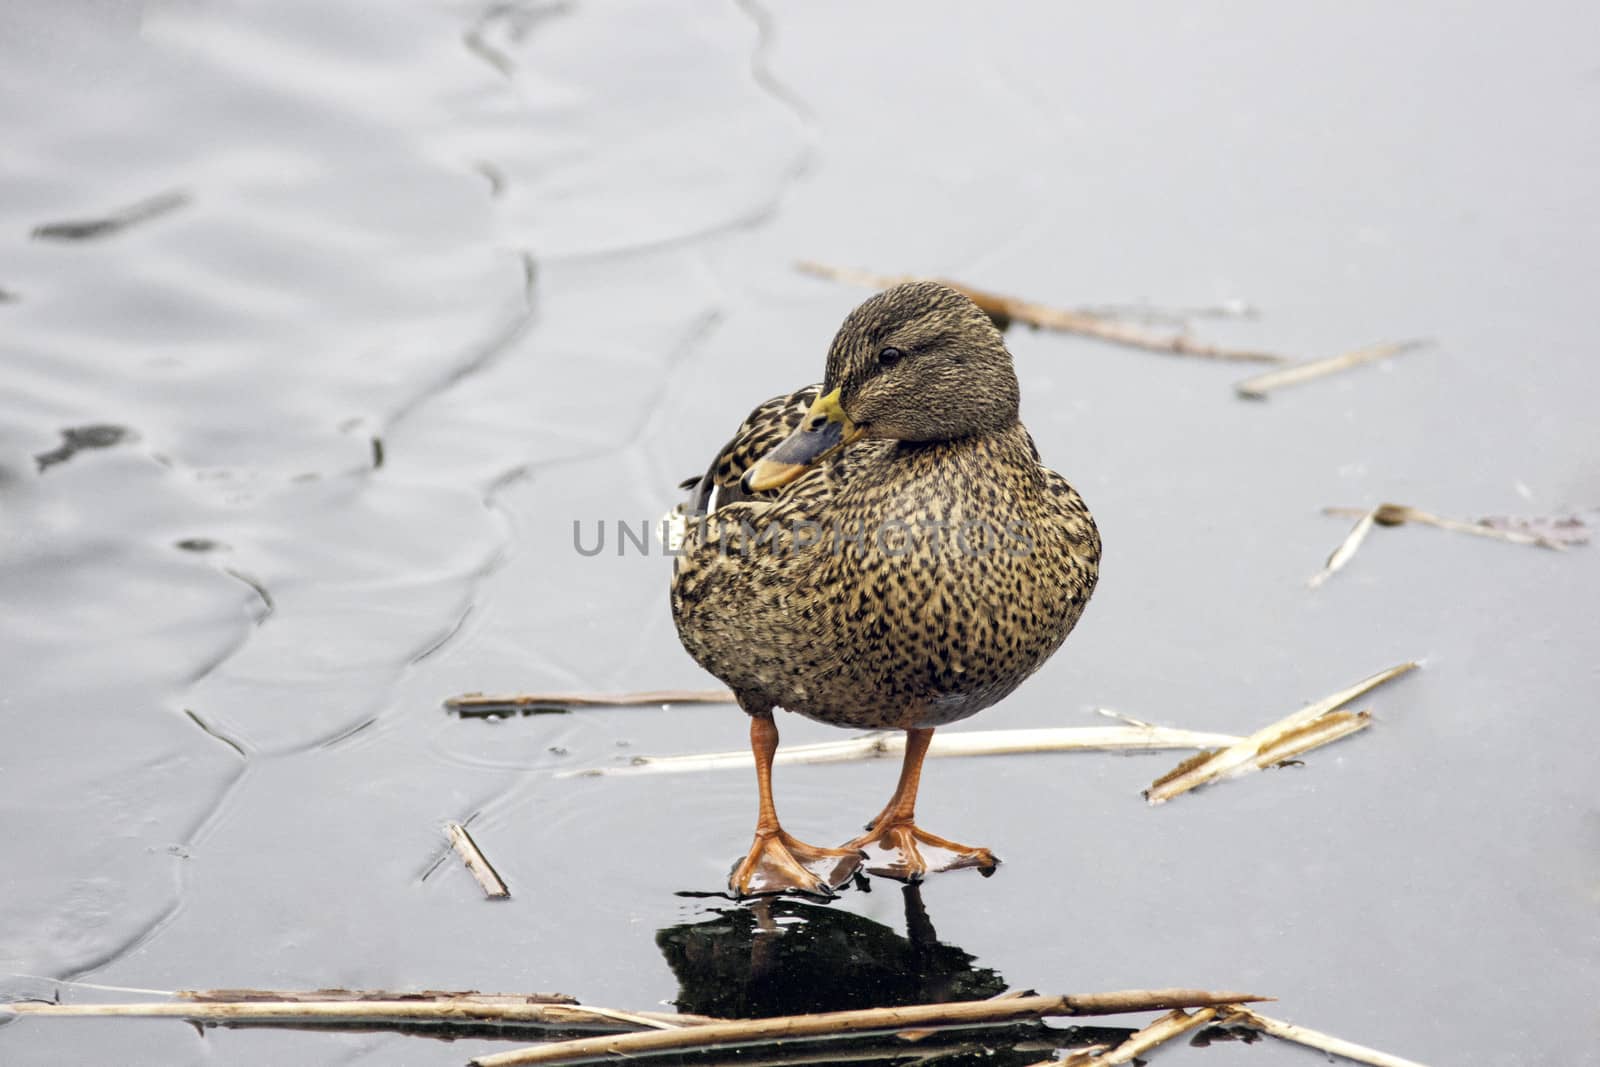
(896, 850)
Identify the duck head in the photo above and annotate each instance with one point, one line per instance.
(918, 362)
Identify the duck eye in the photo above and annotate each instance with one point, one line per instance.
(889, 357)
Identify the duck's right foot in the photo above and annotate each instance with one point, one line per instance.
(779, 863)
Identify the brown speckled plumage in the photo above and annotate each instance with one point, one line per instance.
(912, 578)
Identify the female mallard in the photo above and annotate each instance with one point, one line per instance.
(881, 550)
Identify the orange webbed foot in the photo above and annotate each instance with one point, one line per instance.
(896, 851)
(780, 863)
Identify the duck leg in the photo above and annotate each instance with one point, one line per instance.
(778, 862)
(895, 829)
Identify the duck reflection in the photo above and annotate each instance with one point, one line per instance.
(776, 956)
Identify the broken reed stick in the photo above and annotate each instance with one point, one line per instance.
(1006, 308)
(487, 703)
(848, 1023)
(1398, 514)
(660, 1031)
(971, 743)
(923, 1034)
(1563, 531)
(1313, 1039)
(1347, 549)
(1298, 732)
(1112, 713)
(956, 1042)
(494, 887)
(443, 1009)
(641, 1019)
(947, 1043)
(328, 995)
(1321, 731)
(1174, 1024)
(1258, 387)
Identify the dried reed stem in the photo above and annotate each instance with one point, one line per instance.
(484, 702)
(449, 1008)
(1347, 548)
(1291, 735)
(1313, 1039)
(1164, 1029)
(1258, 387)
(1397, 514)
(1007, 308)
(494, 887)
(972, 743)
(848, 1023)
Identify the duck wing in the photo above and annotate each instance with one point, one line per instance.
(759, 434)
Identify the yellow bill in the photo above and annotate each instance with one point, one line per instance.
(825, 428)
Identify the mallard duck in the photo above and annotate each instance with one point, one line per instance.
(886, 551)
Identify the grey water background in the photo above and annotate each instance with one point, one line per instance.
(436, 280)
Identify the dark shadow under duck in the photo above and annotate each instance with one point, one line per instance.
(883, 550)
(785, 957)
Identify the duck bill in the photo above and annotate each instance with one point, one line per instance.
(825, 428)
